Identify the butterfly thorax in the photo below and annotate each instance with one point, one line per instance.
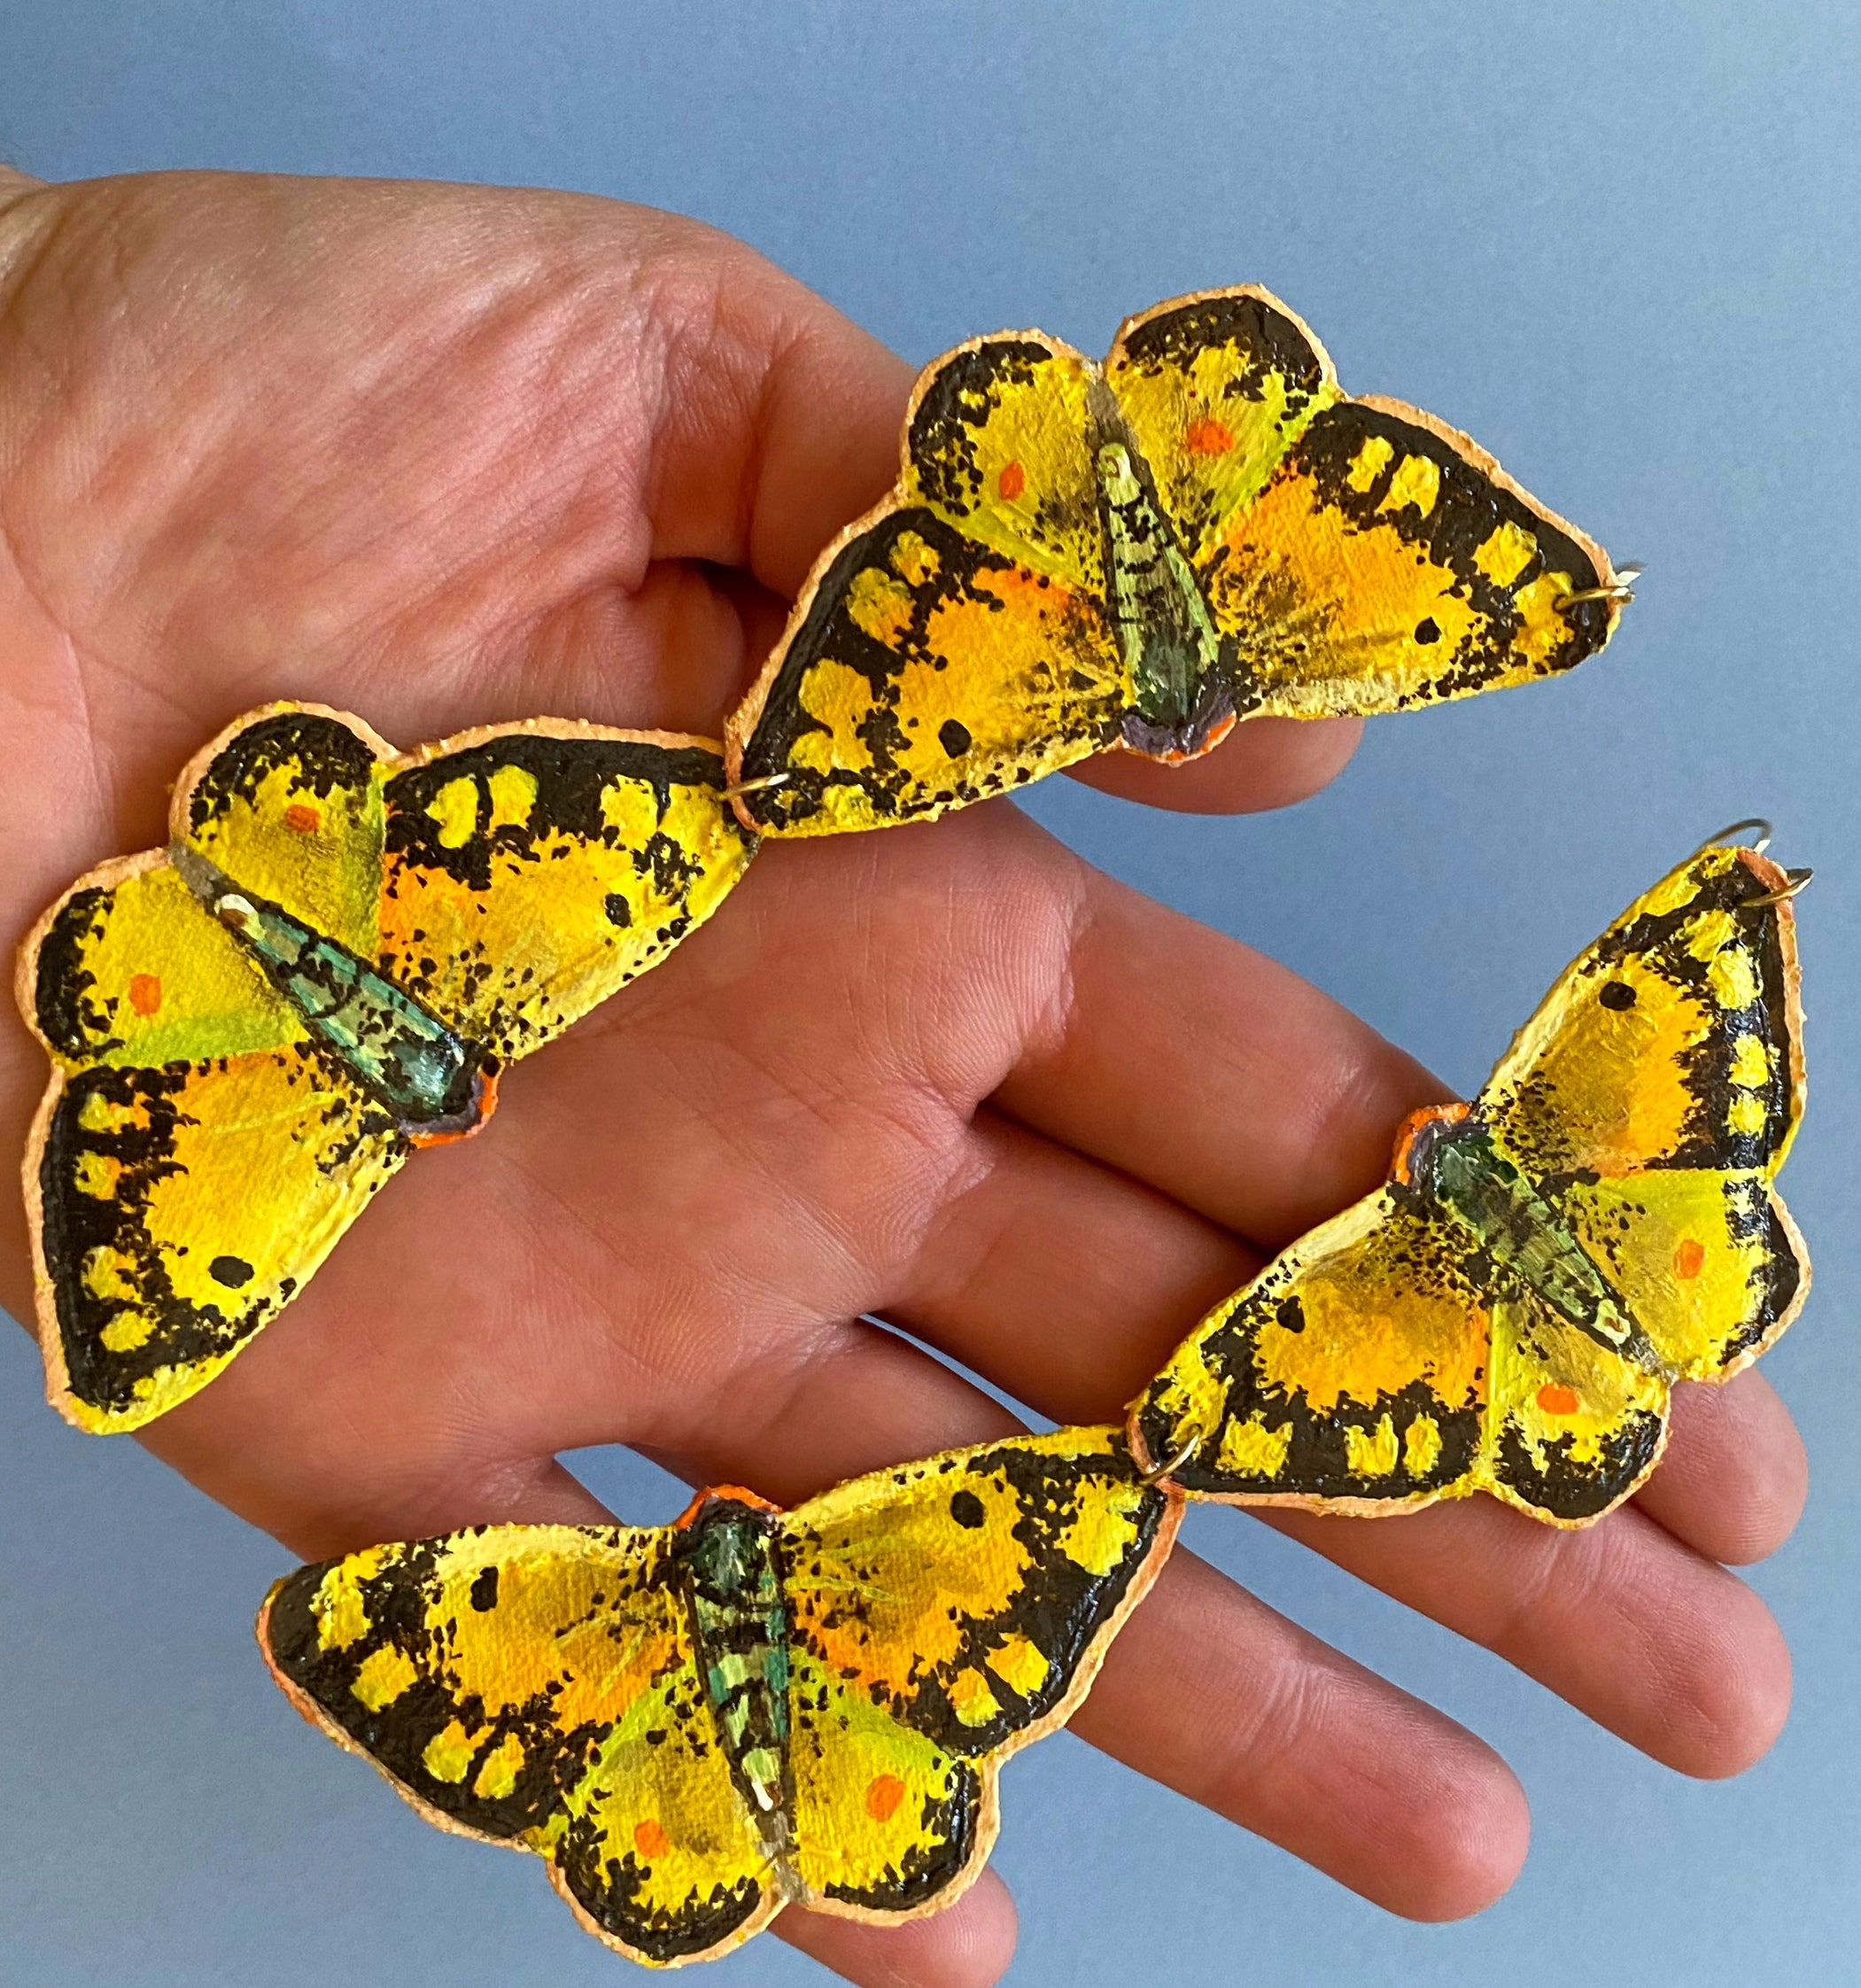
(1451, 1161)
(437, 1082)
(1166, 639)
(729, 1559)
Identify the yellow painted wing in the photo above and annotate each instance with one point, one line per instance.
(193, 1161)
(287, 803)
(1573, 1427)
(945, 1614)
(954, 643)
(1657, 1091)
(532, 870)
(535, 1686)
(1350, 1375)
(1356, 556)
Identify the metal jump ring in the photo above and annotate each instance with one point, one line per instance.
(1622, 589)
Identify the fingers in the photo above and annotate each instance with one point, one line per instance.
(1265, 762)
(1211, 1692)
(1734, 1476)
(1665, 1649)
(1211, 1072)
(967, 1944)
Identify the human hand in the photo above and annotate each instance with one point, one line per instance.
(448, 456)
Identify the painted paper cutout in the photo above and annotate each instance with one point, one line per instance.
(326, 967)
(1204, 529)
(1509, 1312)
(701, 1723)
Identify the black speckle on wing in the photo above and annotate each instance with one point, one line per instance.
(1468, 507)
(1060, 1606)
(571, 775)
(1536, 1125)
(322, 753)
(1052, 682)
(1570, 1489)
(149, 1106)
(70, 1015)
(1271, 342)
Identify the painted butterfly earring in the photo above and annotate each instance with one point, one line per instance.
(251, 1029)
(1508, 1313)
(1137, 555)
(699, 1724)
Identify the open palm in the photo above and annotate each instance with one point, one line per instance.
(446, 457)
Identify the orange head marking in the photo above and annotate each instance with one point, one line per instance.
(1209, 436)
(487, 1104)
(303, 819)
(1554, 1400)
(650, 1839)
(884, 1792)
(1690, 1257)
(1429, 1115)
(711, 1494)
(146, 992)
(1012, 482)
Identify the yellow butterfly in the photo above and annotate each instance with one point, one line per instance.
(1510, 1313)
(699, 1724)
(1202, 529)
(327, 966)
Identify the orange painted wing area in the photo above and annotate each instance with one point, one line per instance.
(945, 1614)
(1388, 563)
(1657, 1091)
(1350, 1375)
(536, 1686)
(533, 870)
(926, 671)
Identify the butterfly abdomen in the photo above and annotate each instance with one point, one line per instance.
(1168, 643)
(436, 1082)
(1452, 1162)
(732, 1574)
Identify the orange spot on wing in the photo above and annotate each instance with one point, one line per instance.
(1559, 1401)
(1209, 436)
(1012, 482)
(883, 1796)
(650, 1839)
(144, 993)
(1690, 1257)
(305, 820)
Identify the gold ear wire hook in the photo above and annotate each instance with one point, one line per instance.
(755, 786)
(1738, 827)
(1621, 589)
(1154, 1476)
(1798, 878)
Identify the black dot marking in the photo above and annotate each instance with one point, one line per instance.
(1428, 630)
(966, 1509)
(232, 1271)
(1616, 994)
(485, 1590)
(954, 738)
(1290, 1316)
(619, 911)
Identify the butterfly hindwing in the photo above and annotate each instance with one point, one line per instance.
(194, 1160)
(533, 870)
(1352, 1373)
(537, 1686)
(1574, 1427)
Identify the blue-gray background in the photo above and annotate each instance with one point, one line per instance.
(1620, 247)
